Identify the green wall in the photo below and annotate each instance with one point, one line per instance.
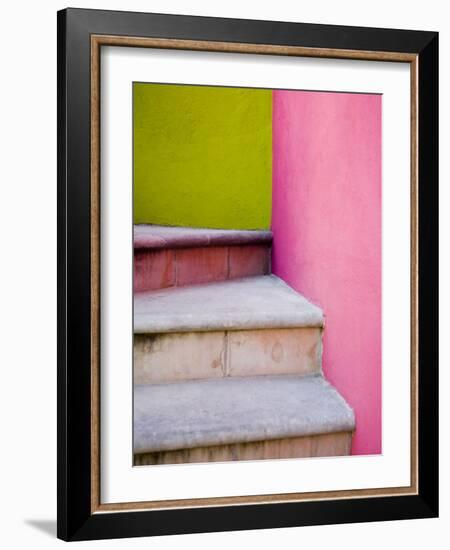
(202, 156)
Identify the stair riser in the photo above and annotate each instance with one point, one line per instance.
(195, 355)
(333, 444)
(155, 269)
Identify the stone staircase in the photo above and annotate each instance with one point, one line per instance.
(227, 357)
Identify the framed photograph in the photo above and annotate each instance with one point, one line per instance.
(247, 274)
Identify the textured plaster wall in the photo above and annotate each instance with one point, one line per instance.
(202, 156)
(326, 222)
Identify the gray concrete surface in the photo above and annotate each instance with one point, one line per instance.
(250, 303)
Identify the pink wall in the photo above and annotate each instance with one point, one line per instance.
(326, 222)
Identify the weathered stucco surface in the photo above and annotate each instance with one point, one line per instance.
(326, 223)
(202, 156)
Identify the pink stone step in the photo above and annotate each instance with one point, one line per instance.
(178, 256)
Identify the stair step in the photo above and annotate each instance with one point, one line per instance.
(240, 304)
(228, 411)
(177, 256)
(156, 237)
(247, 327)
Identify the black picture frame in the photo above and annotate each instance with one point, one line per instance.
(76, 520)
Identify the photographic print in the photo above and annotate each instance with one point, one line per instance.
(256, 273)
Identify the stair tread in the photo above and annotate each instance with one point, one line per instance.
(211, 412)
(161, 236)
(239, 304)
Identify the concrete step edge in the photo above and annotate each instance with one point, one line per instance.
(236, 304)
(202, 413)
(157, 237)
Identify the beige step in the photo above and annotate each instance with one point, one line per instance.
(185, 356)
(253, 326)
